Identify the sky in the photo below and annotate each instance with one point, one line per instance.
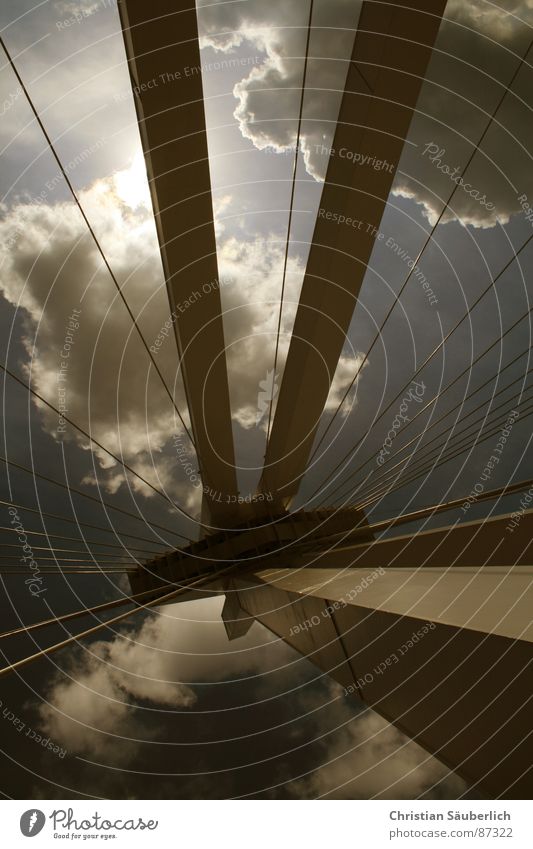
(95, 702)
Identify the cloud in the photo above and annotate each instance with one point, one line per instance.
(478, 44)
(94, 709)
(269, 97)
(347, 367)
(71, 7)
(370, 758)
(159, 662)
(91, 714)
(84, 355)
(251, 273)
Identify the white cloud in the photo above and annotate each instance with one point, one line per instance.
(371, 758)
(347, 367)
(482, 46)
(50, 267)
(76, 7)
(478, 45)
(92, 711)
(269, 97)
(252, 272)
(91, 363)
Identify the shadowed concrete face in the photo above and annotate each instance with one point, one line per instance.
(462, 694)
(390, 55)
(172, 127)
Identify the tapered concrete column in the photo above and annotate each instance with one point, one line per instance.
(445, 656)
(390, 55)
(161, 39)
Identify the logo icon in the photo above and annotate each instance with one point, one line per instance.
(32, 822)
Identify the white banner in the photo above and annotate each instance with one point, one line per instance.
(266, 824)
